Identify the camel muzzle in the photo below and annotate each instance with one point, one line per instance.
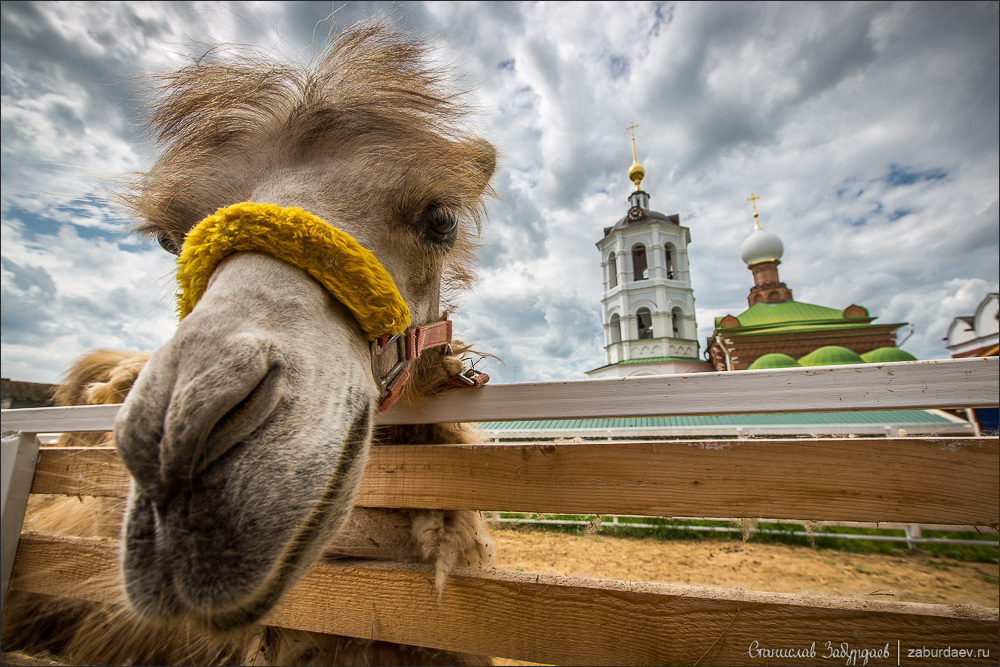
(254, 420)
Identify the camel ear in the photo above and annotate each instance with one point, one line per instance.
(484, 156)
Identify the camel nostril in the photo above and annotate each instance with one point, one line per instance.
(242, 419)
(213, 413)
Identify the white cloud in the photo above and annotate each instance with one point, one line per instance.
(64, 295)
(869, 130)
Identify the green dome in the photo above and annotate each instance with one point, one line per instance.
(831, 355)
(886, 354)
(773, 360)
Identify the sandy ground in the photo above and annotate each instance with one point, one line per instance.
(909, 577)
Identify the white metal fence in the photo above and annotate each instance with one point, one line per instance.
(912, 533)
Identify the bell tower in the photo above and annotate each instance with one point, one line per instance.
(648, 302)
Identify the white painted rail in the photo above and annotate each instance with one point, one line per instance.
(910, 385)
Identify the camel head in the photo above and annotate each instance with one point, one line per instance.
(246, 434)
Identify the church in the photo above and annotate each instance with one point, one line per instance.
(648, 306)
(776, 331)
(648, 316)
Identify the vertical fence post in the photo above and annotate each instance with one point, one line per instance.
(19, 455)
(970, 416)
(913, 532)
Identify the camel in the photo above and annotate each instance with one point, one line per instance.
(360, 194)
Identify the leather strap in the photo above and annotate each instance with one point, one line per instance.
(415, 340)
(393, 390)
(423, 338)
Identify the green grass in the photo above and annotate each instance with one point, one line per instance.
(824, 538)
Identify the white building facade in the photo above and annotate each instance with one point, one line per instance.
(979, 334)
(648, 306)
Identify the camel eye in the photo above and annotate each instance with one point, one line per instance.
(442, 224)
(168, 243)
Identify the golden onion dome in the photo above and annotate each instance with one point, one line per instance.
(636, 173)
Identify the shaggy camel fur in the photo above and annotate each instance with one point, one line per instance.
(256, 418)
(100, 377)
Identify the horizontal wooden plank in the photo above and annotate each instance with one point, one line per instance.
(80, 471)
(955, 383)
(950, 481)
(58, 420)
(554, 619)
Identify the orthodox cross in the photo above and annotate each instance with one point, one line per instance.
(753, 200)
(631, 128)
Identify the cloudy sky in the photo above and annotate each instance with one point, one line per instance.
(869, 130)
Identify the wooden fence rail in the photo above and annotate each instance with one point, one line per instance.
(944, 481)
(952, 481)
(555, 620)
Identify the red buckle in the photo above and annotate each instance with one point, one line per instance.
(379, 346)
(469, 377)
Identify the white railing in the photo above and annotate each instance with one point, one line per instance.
(912, 532)
(953, 383)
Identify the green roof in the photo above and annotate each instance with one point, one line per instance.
(831, 355)
(651, 360)
(773, 360)
(804, 422)
(791, 312)
(647, 360)
(796, 327)
(886, 354)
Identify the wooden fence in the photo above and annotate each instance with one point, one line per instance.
(564, 620)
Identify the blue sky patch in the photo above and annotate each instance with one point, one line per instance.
(37, 226)
(899, 176)
(619, 66)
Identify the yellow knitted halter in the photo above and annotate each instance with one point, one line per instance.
(348, 271)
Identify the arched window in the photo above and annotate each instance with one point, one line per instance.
(640, 269)
(644, 322)
(676, 317)
(612, 270)
(616, 328)
(669, 252)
